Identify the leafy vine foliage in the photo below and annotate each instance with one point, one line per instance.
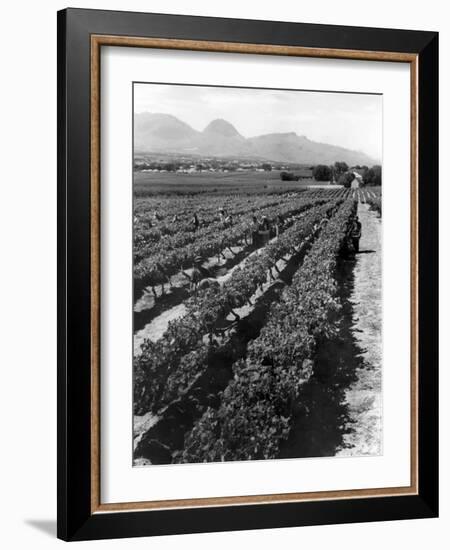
(171, 252)
(256, 408)
(166, 369)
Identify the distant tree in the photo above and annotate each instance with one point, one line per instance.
(322, 172)
(372, 176)
(346, 179)
(266, 166)
(288, 176)
(376, 177)
(340, 168)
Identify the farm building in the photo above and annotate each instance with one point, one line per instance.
(357, 181)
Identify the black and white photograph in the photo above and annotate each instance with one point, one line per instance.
(257, 273)
(232, 219)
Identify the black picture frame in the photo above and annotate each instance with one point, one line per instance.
(75, 518)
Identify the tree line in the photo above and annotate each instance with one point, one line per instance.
(342, 174)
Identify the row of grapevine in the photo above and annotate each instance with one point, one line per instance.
(182, 234)
(207, 206)
(256, 408)
(177, 233)
(217, 302)
(169, 261)
(206, 209)
(375, 204)
(171, 363)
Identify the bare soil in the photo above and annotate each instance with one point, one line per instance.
(363, 397)
(339, 411)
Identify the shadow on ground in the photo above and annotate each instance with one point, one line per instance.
(46, 526)
(321, 417)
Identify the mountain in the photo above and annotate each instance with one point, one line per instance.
(290, 147)
(157, 131)
(162, 133)
(220, 127)
(221, 139)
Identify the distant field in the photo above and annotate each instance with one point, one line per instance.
(156, 183)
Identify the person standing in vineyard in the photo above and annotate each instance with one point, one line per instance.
(222, 215)
(228, 222)
(254, 230)
(355, 233)
(264, 230)
(195, 222)
(278, 223)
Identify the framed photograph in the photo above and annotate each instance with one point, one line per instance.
(248, 295)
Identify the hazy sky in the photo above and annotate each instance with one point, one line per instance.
(349, 120)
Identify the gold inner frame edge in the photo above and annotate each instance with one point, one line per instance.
(97, 41)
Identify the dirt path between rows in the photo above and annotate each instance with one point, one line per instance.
(158, 326)
(363, 398)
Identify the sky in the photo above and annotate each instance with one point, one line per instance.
(349, 120)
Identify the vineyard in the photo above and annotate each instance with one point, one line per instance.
(238, 299)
